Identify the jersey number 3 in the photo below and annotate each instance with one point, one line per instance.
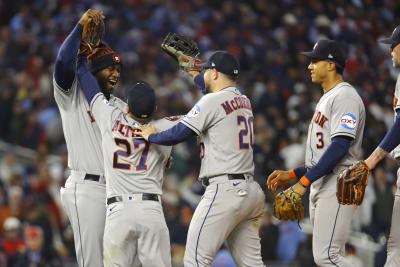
(247, 127)
(126, 152)
(320, 137)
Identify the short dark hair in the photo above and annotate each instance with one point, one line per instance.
(230, 77)
(339, 69)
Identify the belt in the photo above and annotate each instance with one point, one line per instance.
(92, 177)
(239, 176)
(145, 196)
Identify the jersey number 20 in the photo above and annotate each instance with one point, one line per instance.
(247, 127)
(126, 152)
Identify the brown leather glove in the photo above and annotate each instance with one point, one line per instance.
(351, 184)
(288, 205)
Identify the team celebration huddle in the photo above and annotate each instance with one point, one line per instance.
(118, 153)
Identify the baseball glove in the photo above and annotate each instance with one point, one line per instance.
(351, 183)
(183, 50)
(92, 35)
(288, 205)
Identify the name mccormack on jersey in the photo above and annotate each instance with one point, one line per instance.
(236, 103)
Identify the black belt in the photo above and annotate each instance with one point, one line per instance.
(92, 177)
(145, 196)
(239, 176)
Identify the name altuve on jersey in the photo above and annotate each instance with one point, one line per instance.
(125, 129)
(236, 103)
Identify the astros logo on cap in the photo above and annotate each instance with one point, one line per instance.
(116, 58)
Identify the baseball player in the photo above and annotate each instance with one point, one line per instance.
(390, 143)
(134, 169)
(84, 195)
(232, 203)
(334, 142)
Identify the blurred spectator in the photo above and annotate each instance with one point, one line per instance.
(223, 259)
(10, 169)
(305, 253)
(14, 206)
(35, 254)
(383, 206)
(13, 243)
(269, 234)
(351, 256)
(290, 236)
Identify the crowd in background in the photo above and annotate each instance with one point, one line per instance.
(265, 35)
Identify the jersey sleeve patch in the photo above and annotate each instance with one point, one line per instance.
(194, 112)
(348, 121)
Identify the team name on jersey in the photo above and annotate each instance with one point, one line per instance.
(236, 103)
(125, 129)
(319, 118)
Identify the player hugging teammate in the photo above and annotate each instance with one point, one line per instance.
(118, 154)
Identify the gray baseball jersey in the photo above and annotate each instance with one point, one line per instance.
(131, 165)
(81, 132)
(393, 252)
(224, 123)
(229, 209)
(396, 105)
(339, 112)
(83, 200)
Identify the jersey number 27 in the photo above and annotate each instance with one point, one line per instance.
(126, 152)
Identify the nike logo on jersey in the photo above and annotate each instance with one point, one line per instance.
(235, 184)
(319, 118)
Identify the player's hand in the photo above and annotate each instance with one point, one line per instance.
(91, 14)
(298, 188)
(371, 163)
(146, 131)
(169, 162)
(278, 178)
(193, 73)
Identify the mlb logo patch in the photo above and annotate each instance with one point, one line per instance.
(194, 112)
(348, 121)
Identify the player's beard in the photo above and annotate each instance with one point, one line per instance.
(104, 85)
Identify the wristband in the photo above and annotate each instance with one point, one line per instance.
(304, 181)
(292, 174)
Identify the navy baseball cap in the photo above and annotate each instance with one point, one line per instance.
(141, 100)
(394, 39)
(329, 50)
(224, 62)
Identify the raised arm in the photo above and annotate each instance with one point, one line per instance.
(88, 83)
(198, 79)
(64, 72)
